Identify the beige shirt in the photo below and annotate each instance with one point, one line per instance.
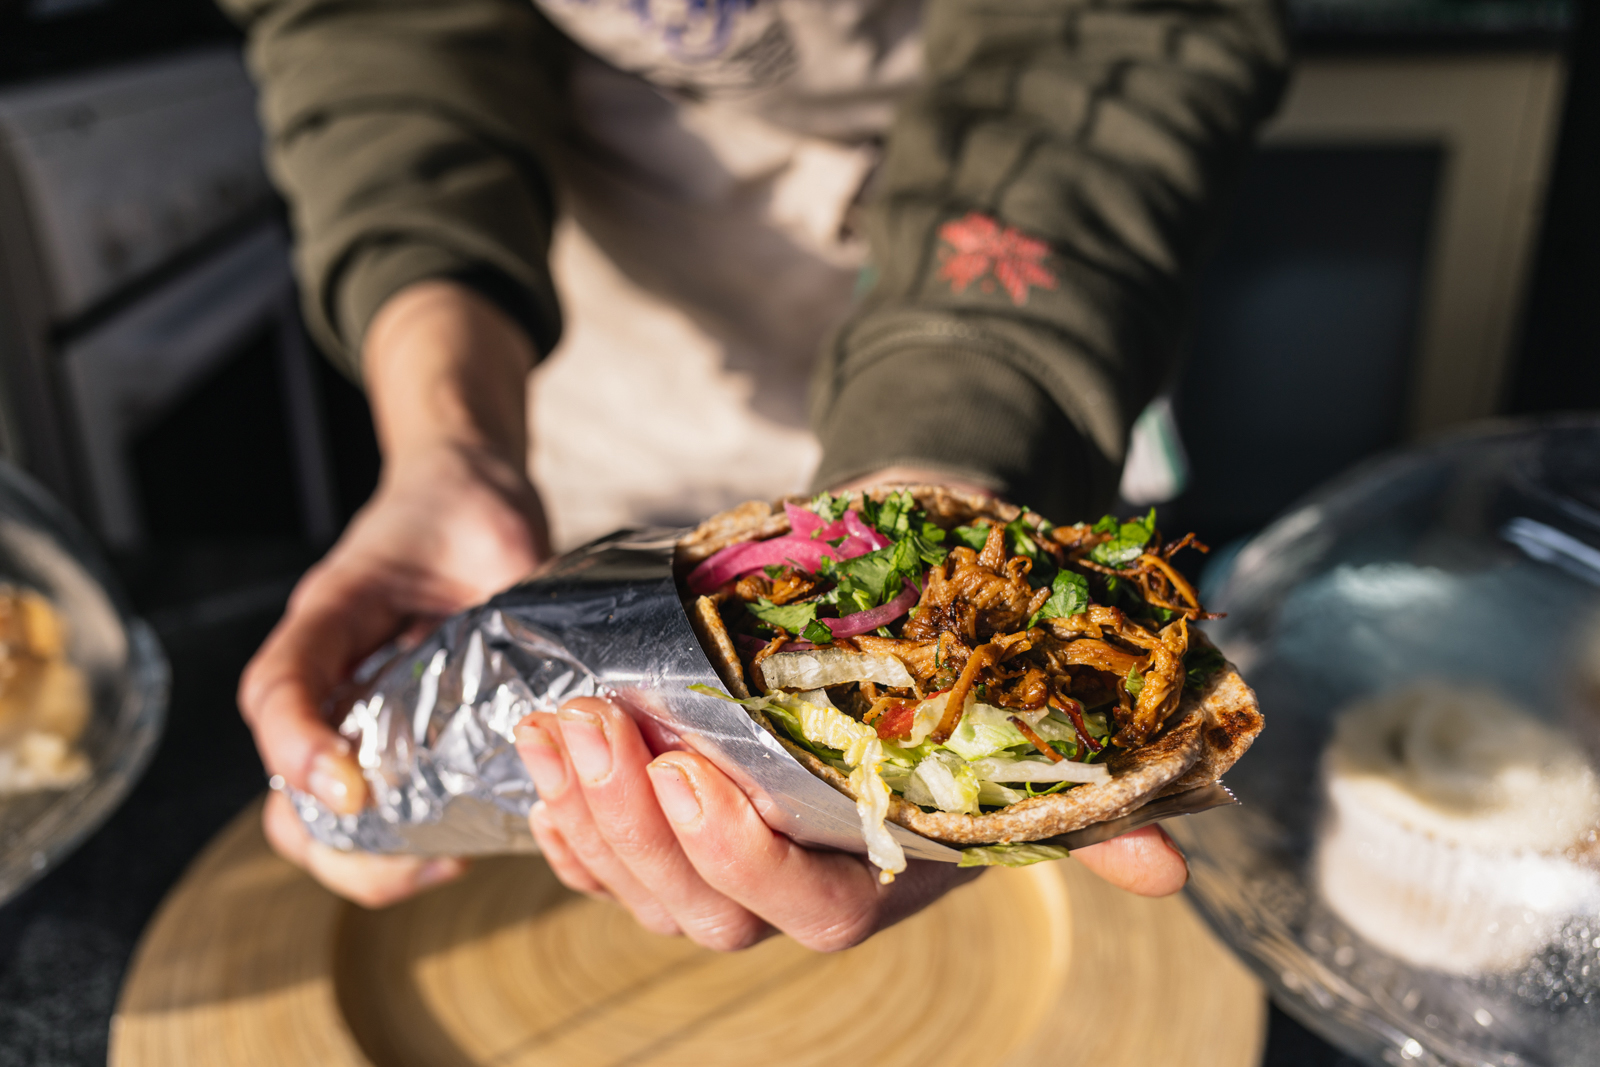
(707, 249)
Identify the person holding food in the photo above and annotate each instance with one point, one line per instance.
(983, 215)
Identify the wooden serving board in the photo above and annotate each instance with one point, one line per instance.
(249, 962)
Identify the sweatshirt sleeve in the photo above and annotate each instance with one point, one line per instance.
(1041, 207)
(406, 136)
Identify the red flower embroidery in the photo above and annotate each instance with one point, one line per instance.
(977, 245)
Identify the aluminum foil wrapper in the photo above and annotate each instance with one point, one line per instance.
(433, 728)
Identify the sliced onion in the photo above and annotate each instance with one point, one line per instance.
(832, 666)
(862, 621)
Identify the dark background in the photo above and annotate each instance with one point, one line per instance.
(226, 549)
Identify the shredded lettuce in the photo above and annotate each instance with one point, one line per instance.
(861, 750)
(1042, 769)
(984, 730)
(1017, 855)
(925, 718)
(976, 767)
(945, 781)
(997, 795)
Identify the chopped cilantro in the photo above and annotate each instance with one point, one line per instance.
(862, 583)
(817, 633)
(1069, 595)
(1129, 542)
(1135, 682)
(791, 617)
(1201, 662)
(899, 519)
(1022, 539)
(830, 507)
(1107, 525)
(773, 570)
(972, 536)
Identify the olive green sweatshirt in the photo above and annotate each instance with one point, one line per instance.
(1044, 197)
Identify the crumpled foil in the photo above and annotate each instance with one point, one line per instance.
(433, 727)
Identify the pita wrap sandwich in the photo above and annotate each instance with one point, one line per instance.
(965, 668)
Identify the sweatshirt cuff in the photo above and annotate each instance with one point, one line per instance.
(971, 415)
(379, 270)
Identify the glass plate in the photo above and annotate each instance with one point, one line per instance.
(1475, 561)
(42, 547)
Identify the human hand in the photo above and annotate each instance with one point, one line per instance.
(454, 521)
(678, 844)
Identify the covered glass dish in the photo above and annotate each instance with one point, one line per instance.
(83, 685)
(1414, 866)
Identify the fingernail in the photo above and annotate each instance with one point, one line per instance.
(587, 746)
(337, 782)
(440, 870)
(542, 758)
(674, 793)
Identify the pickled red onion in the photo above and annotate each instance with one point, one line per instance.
(862, 621)
(753, 555)
(802, 521)
(860, 530)
(803, 547)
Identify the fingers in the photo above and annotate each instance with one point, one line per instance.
(1145, 862)
(824, 900)
(609, 754)
(369, 880)
(333, 619)
(603, 831)
(561, 857)
(678, 843)
(578, 840)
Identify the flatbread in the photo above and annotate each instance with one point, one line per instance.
(1231, 719)
(713, 635)
(754, 520)
(1204, 737)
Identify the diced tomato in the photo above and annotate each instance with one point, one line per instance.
(895, 723)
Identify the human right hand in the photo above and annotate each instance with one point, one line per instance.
(454, 521)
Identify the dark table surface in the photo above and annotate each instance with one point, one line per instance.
(66, 940)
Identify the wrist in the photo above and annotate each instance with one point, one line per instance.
(446, 369)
